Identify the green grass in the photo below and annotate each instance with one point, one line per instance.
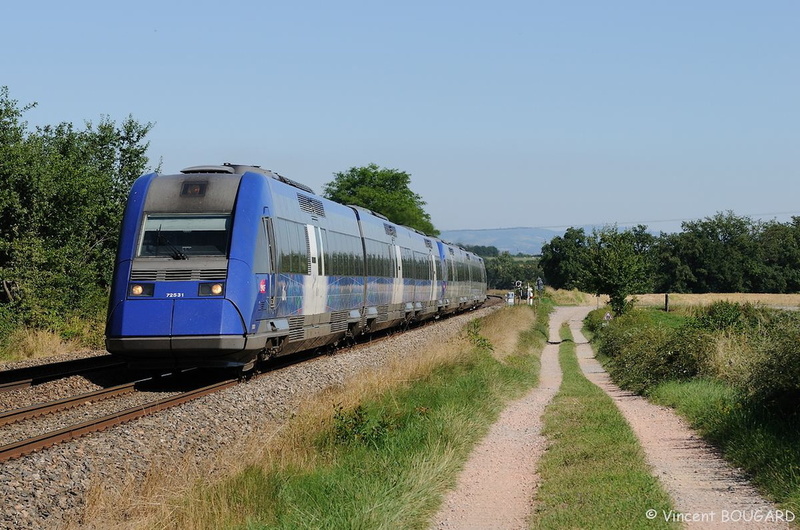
(594, 474)
(384, 463)
(764, 443)
(673, 319)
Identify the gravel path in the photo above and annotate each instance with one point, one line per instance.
(495, 489)
(498, 483)
(707, 492)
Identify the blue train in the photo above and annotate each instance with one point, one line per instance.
(223, 266)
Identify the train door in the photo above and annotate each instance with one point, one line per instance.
(265, 262)
(432, 274)
(398, 283)
(316, 288)
(454, 285)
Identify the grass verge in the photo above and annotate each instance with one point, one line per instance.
(27, 343)
(75, 333)
(594, 474)
(380, 455)
(766, 445)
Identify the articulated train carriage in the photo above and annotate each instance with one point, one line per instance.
(223, 266)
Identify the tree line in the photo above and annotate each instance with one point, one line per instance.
(62, 193)
(724, 253)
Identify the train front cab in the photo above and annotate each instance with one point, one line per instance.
(170, 305)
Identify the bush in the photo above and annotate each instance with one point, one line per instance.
(774, 376)
(594, 321)
(643, 352)
(621, 334)
(724, 315)
(755, 349)
(62, 196)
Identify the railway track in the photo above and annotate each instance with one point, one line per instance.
(34, 375)
(29, 445)
(40, 409)
(26, 377)
(32, 444)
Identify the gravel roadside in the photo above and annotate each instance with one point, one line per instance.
(49, 489)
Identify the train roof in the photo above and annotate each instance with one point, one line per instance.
(239, 169)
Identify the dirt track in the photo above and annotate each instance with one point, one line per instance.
(498, 484)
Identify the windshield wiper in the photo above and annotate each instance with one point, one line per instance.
(176, 252)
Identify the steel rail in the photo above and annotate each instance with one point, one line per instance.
(23, 447)
(40, 409)
(33, 375)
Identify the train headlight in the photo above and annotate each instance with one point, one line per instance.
(141, 289)
(211, 289)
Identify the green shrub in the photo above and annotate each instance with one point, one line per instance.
(720, 315)
(642, 350)
(774, 376)
(358, 426)
(594, 321)
(753, 348)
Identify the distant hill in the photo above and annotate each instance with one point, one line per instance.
(513, 240)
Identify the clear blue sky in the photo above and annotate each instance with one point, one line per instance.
(509, 113)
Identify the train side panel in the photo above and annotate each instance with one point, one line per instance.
(318, 263)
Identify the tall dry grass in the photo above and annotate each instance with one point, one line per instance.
(732, 357)
(24, 343)
(172, 494)
(767, 299)
(499, 328)
(575, 297)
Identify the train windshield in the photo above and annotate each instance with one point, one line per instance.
(180, 237)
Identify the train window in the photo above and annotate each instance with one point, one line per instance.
(379, 259)
(182, 236)
(344, 255)
(407, 260)
(291, 242)
(424, 264)
(263, 257)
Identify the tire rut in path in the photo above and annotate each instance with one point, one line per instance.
(496, 487)
(699, 481)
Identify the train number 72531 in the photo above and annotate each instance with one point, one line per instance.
(174, 295)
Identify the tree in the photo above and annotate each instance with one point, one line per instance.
(778, 257)
(504, 271)
(616, 266)
(481, 250)
(62, 194)
(718, 254)
(381, 190)
(563, 259)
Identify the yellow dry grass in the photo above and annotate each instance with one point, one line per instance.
(499, 328)
(575, 297)
(773, 300)
(27, 343)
